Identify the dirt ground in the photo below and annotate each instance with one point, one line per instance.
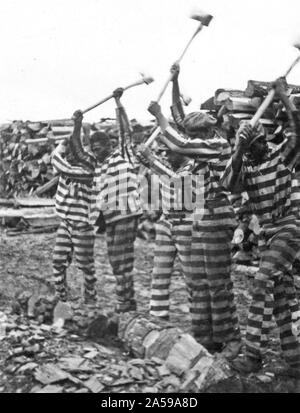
(25, 265)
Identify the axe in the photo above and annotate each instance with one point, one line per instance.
(144, 79)
(270, 96)
(204, 20)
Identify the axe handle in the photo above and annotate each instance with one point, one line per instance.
(139, 82)
(152, 137)
(263, 107)
(292, 66)
(178, 61)
(270, 96)
(200, 27)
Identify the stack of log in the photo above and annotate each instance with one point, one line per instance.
(26, 147)
(235, 105)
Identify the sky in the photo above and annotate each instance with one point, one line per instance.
(61, 55)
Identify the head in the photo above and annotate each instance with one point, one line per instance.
(199, 125)
(258, 146)
(100, 145)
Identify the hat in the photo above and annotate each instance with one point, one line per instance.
(198, 120)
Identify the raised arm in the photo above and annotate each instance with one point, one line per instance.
(205, 150)
(232, 176)
(62, 166)
(292, 146)
(177, 108)
(125, 133)
(84, 159)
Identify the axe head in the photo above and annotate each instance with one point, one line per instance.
(201, 17)
(297, 44)
(186, 99)
(147, 79)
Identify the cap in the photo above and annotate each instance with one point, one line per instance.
(198, 120)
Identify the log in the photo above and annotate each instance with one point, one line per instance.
(243, 104)
(260, 89)
(34, 202)
(234, 119)
(180, 356)
(39, 230)
(221, 95)
(209, 105)
(45, 140)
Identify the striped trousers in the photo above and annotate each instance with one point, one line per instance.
(274, 294)
(120, 237)
(173, 238)
(77, 237)
(213, 311)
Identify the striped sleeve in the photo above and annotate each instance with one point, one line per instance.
(178, 115)
(205, 150)
(62, 166)
(125, 134)
(232, 180)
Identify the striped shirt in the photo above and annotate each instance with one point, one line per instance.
(177, 190)
(74, 192)
(211, 157)
(272, 187)
(115, 185)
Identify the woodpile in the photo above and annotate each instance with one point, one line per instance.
(26, 147)
(235, 105)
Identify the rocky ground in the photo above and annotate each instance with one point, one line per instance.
(36, 358)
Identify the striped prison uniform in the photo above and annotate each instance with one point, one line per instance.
(274, 197)
(214, 317)
(115, 190)
(173, 231)
(75, 232)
